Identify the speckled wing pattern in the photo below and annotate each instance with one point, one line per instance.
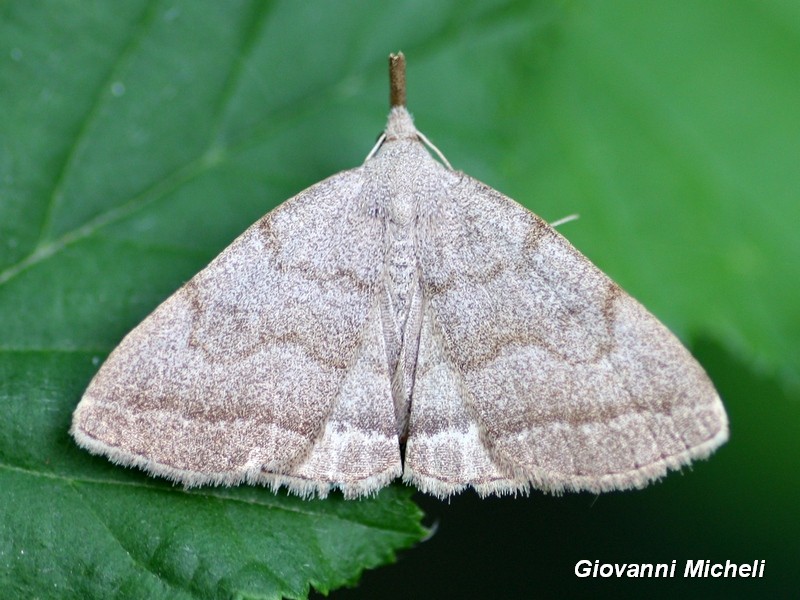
(536, 370)
(267, 367)
(402, 303)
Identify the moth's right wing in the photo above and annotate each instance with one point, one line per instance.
(547, 373)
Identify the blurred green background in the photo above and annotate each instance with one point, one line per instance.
(137, 139)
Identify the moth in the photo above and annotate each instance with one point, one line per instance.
(402, 319)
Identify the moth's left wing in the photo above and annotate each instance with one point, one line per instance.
(268, 366)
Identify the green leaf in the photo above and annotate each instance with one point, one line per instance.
(138, 138)
(671, 128)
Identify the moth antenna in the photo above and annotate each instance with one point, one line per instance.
(567, 219)
(438, 152)
(377, 145)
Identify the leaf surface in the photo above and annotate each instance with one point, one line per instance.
(138, 139)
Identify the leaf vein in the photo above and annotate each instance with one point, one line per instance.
(212, 493)
(85, 126)
(87, 504)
